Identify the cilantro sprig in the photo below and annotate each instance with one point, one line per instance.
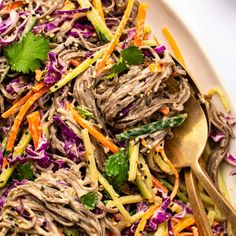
(129, 56)
(89, 200)
(27, 55)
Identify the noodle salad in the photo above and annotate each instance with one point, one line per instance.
(86, 106)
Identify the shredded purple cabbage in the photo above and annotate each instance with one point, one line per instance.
(231, 159)
(73, 145)
(14, 184)
(17, 86)
(216, 137)
(218, 228)
(125, 111)
(128, 38)
(71, 12)
(1, 157)
(230, 120)
(86, 31)
(170, 228)
(1, 4)
(5, 25)
(160, 216)
(142, 206)
(185, 210)
(55, 69)
(22, 211)
(160, 49)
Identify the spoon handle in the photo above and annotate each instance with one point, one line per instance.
(196, 204)
(227, 210)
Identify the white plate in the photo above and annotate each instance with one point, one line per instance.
(160, 14)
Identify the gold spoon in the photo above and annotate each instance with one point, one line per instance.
(187, 146)
(196, 204)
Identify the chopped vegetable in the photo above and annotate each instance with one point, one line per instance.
(71, 231)
(89, 200)
(159, 185)
(84, 112)
(74, 62)
(138, 38)
(114, 196)
(24, 171)
(90, 157)
(98, 6)
(222, 97)
(34, 121)
(116, 169)
(103, 32)
(78, 70)
(153, 127)
(19, 150)
(173, 45)
(133, 160)
(96, 134)
(116, 37)
(26, 56)
(38, 74)
(20, 116)
(183, 224)
(127, 200)
(18, 104)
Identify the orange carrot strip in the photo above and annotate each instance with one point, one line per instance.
(159, 185)
(172, 167)
(4, 163)
(185, 234)
(170, 38)
(165, 110)
(74, 62)
(13, 5)
(183, 224)
(156, 40)
(98, 6)
(138, 37)
(34, 121)
(38, 86)
(96, 134)
(116, 37)
(18, 104)
(14, 129)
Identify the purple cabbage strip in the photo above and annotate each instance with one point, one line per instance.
(14, 184)
(231, 159)
(142, 206)
(125, 111)
(1, 156)
(1, 4)
(128, 38)
(160, 49)
(170, 229)
(230, 120)
(5, 25)
(218, 228)
(16, 86)
(86, 31)
(216, 137)
(73, 145)
(70, 12)
(160, 216)
(55, 69)
(21, 210)
(185, 210)
(232, 173)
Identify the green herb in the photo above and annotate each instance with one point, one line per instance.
(24, 171)
(89, 200)
(27, 55)
(84, 112)
(129, 56)
(152, 127)
(71, 231)
(116, 169)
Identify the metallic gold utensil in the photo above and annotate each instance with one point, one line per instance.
(187, 146)
(196, 204)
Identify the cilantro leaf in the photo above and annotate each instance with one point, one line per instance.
(24, 171)
(84, 112)
(119, 67)
(89, 200)
(116, 169)
(26, 55)
(71, 231)
(133, 55)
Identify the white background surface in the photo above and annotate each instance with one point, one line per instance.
(213, 22)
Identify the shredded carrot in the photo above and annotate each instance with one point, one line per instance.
(183, 224)
(195, 231)
(165, 110)
(98, 6)
(159, 185)
(38, 74)
(144, 143)
(142, 223)
(156, 40)
(185, 234)
(18, 104)
(14, 129)
(116, 37)
(14, 5)
(146, 36)
(74, 62)
(38, 86)
(4, 163)
(172, 167)
(176, 49)
(138, 37)
(34, 121)
(95, 133)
